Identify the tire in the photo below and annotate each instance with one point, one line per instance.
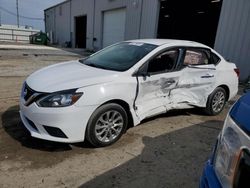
(106, 125)
(216, 102)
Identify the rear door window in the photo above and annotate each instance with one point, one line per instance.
(214, 59)
(196, 57)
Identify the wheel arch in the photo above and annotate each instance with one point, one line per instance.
(226, 88)
(126, 107)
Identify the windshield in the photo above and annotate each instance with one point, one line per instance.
(119, 57)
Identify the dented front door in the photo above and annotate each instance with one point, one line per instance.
(154, 93)
(155, 85)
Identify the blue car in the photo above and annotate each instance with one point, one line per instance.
(229, 165)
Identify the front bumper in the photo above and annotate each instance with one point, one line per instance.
(71, 121)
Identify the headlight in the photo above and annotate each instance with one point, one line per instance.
(230, 144)
(59, 99)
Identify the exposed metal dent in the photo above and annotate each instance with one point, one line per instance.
(193, 85)
(163, 83)
(180, 96)
(173, 93)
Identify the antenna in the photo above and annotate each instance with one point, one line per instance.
(17, 13)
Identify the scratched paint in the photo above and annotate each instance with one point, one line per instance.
(163, 84)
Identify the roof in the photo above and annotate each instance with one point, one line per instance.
(66, 1)
(160, 42)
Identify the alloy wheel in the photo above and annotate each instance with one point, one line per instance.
(109, 126)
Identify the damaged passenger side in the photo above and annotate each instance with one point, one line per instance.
(197, 79)
(175, 78)
(155, 80)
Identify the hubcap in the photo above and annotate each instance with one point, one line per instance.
(218, 101)
(109, 126)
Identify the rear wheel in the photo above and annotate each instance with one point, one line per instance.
(106, 125)
(216, 101)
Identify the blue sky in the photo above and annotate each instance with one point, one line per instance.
(27, 8)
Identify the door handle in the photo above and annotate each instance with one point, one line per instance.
(207, 76)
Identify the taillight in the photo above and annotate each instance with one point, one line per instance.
(237, 71)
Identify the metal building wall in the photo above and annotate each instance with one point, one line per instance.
(233, 34)
(62, 23)
(141, 19)
(133, 14)
(149, 20)
(82, 8)
(58, 24)
(50, 24)
(17, 34)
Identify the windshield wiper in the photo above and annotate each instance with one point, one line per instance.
(96, 66)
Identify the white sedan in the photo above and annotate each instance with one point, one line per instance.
(96, 98)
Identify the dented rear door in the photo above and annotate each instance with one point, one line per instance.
(197, 80)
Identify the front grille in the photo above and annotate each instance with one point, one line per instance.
(31, 95)
(28, 92)
(54, 131)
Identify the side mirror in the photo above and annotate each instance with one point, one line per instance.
(142, 71)
(143, 74)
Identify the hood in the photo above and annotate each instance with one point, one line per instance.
(240, 113)
(68, 75)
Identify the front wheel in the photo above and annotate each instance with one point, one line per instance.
(216, 101)
(106, 125)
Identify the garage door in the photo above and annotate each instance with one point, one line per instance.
(113, 26)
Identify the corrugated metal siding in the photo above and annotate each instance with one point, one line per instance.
(62, 23)
(132, 17)
(80, 8)
(50, 23)
(150, 16)
(141, 19)
(233, 35)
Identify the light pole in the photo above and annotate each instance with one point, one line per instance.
(17, 13)
(0, 18)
